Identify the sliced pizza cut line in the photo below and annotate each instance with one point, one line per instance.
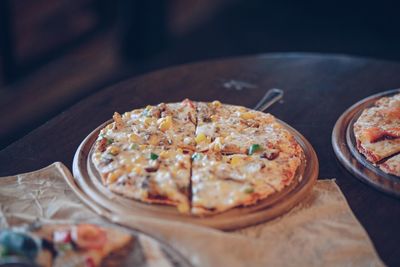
(149, 174)
(391, 165)
(234, 156)
(168, 125)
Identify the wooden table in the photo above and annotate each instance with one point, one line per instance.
(317, 90)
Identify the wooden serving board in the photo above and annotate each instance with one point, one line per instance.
(344, 145)
(88, 186)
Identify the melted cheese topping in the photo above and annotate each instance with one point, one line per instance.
(221, 182)
(141, 155)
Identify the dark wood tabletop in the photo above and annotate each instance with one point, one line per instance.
(318, 89)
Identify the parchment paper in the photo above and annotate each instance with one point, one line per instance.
(321, 231)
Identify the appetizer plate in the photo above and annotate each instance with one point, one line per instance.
(142, 250)
(88, 186)
(344, 145)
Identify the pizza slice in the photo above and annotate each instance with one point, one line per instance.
(392, 165)
(147, 173)
(221, 182)
(377, 131)
(168, 125)
(238, 130)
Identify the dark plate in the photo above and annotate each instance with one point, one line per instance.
(344, 145)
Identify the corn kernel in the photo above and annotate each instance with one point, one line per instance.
(148, 121)
(213, 118)
(247, 115)
(128, 166)
(142, 147)
(137, 170)
(235, 160)
(134, 137)
(164, 154)
(201, 137)
(217, 147)
(113, 150)
(113, 176)
(165, 123)
(148, 107)
(179, 150)
(153, 140)
(216, 104)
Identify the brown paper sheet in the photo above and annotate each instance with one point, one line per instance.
(321, 231)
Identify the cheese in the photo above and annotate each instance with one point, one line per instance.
(113, 176)
(216, 104)
(247, 115)
(165, 123)
(134, 137)
(201, 137)
(154, 140)
(236, 160)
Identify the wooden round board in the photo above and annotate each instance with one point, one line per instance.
(344, 145)
(89, 187)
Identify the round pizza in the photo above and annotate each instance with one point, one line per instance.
(377, 133)
(203, 158)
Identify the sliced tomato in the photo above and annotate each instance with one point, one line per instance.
(89, 236)
(89, 262)
(392, 113)
(373, 134)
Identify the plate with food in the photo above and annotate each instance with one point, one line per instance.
(86, 245)
(208, 163)
(366, 140)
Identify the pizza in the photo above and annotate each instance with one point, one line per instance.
(85, 245)
(203, 158)
(377, 133)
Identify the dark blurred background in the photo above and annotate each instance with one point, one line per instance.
(54, 53)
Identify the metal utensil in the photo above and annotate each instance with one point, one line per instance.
(271, 96)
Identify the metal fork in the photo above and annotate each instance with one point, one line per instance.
(271, 96)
